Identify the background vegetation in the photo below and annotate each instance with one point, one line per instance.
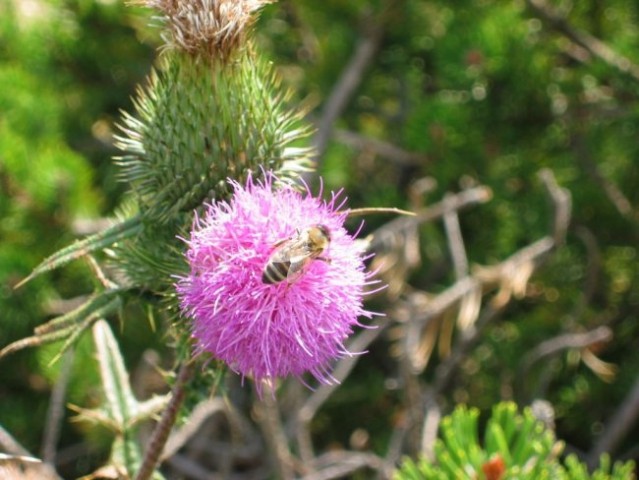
(414, 101)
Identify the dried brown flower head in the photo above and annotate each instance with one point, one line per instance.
(209, 28)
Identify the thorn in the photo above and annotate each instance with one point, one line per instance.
(24, 280)
(366, 211)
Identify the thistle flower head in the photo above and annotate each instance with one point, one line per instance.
(210, 28)
(269, 329)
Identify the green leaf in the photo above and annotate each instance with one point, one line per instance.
(115, 379)
(122, 410)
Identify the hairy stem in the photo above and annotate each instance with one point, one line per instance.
(163, 428)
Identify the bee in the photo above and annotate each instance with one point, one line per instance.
(293, 255)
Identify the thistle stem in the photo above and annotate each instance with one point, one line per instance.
(163, 428)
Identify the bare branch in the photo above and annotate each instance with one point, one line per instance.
(446, 370)
(191, 469)
(594, 266)
(269, 419)
(562, 203)
(358, 344)
(590, 43)
(345, 88)
(486, 278)
(199, 415)
(19, 463)
(621, 203)
(11, 445)
(566, 341)
(456, 202)
(341, 463)
(381, 148)
(306, 413)
(430, 427)
(560, 343)
(618, 427)
(510, 276)
(55, 411)
(455, 241)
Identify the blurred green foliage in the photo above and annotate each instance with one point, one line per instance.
(513, 446)
(66, 68)
(485, 91)
(491, 94)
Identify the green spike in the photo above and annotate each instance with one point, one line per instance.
(85, 324)
(95, 302)
(148, 409)
(80, 248)
(36, 341)
(70, 326)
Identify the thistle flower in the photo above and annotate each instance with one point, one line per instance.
(262, 329)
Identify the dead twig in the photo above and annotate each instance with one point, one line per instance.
(308, 410)
(590, 43)
(593, 268)
(455, 202)
(430, 426)
(446, 370)
(554, 346)
(18, 463)
(455, 241)
(11, 445)
(510, 276)
(161, 432)
(202, 412)
(350, 79)
(55, 412)
(383, 149)
(621, 203)
(618, 427)
(341, 463)
(269, 419)
(562, 205)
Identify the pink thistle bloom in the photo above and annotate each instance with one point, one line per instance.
(269, 330)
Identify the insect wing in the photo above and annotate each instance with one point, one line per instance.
(297, 267)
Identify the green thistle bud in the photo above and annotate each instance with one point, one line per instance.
(198, 124)
(212, 111)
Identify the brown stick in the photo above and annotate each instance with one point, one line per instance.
(618, 427)
(55, 412)
(384, 149)
(456, 202)
(269, 419)
(556, 345)
(346, 86)
(316, 400)
(590, 43)
(455, 241)
(351, 77)
(163, 428)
